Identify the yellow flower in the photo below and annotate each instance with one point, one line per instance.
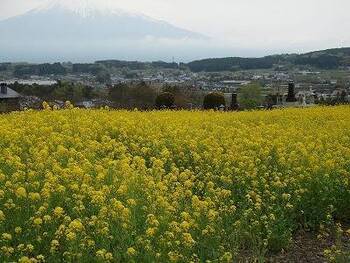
(131, 202)
(227, 257)
(34, 196)
(30, 248)
(150, 231)
(131, 251)
(47, 218)
(18, 230)
(108, 256)
(101, 253)
(167, 182)
(38, 221)
(6, 236)
(46, 106)
(212, 215)
(185, 225)
(58, 211)
(54, 245)
(91, 243)
(76, 225)
(188, 240)
(25, 260)
(68, 105)
(7, 251)
(71, 236)
(21, 192)
(173, 256)
(2, 216)
(286, 196)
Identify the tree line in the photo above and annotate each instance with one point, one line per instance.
(62, 90)
(103, 66)
(326, 59)
(142, 95)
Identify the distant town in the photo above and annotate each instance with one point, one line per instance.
(124, 84)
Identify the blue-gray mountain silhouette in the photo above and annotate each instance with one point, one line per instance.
(60, 33)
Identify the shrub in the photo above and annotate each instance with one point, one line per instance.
(165, 100)
(213, 100)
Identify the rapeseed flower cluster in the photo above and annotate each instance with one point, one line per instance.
(116, 186)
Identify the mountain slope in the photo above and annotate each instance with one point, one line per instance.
(59, 23)
(56, 32)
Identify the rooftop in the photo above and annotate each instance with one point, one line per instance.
(10, 94)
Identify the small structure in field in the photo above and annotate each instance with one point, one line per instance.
(9, 99)
(292, 99)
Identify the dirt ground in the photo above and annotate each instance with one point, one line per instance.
(306, 247)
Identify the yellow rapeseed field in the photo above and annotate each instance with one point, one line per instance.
(117, 186)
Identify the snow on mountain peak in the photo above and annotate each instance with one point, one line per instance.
(85, 8)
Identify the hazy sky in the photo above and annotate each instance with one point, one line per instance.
(269, 25)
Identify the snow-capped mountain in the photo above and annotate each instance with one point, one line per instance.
(62, 28)
(84, 8)
(58, 21)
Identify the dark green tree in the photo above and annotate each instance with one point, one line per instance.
(214, 100)
(141, 95)
(165, 100)
(343, 96)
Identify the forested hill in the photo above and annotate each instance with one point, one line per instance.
(325, 59)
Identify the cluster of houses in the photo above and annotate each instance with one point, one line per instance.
(306, 98)
(291, 98)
